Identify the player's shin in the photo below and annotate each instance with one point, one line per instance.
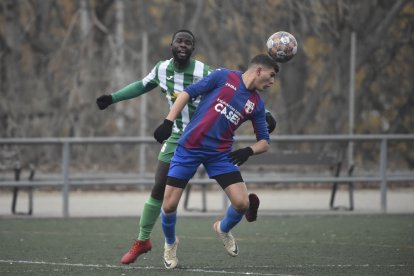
(231, 219)
(168, 222)
(150, 214)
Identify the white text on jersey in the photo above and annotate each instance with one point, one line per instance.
(231, 86)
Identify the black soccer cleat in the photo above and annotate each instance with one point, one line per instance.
(251, 213)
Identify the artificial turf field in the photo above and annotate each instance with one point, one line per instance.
(274, 245)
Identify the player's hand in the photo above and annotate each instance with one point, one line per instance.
(163, 131)
(271, 122)
(238, 157)
(104, 101)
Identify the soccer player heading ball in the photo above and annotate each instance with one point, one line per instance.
(172, 76)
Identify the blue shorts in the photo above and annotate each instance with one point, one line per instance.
(185, 162)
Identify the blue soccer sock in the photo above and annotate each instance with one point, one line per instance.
(168, 222)
(230, 220)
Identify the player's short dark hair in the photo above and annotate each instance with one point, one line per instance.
(184, 31)
(265, 60)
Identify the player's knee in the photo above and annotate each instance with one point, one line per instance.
(241, 205)
(169, 205)
(168, 208)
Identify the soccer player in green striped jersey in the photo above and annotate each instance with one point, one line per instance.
(171, 76)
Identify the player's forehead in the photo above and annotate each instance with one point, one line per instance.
(183, 36)
(271, 70)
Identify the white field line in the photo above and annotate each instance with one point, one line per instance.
(209, 269)
(200, 270)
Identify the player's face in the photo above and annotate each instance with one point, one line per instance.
(265, 78)
(182, 47)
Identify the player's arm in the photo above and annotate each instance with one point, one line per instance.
(178, 106)
(260, 147)
(238, 157)
(130, 91)
(165, 129)
(262, 136)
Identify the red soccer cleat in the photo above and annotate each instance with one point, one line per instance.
(251, 214)
(138, 248)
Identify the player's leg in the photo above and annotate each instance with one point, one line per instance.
(239, 203)
(149, 216)
(231, 181)
(169, 219)
(152, 206)
(183, 166)
(169, 208)
(219, 167)
(152, 211)
(237, 194)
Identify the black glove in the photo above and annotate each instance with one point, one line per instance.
(104, 101)
(163, 131)
(238, 157)
(271, 122)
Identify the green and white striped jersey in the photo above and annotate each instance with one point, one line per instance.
(172, 81)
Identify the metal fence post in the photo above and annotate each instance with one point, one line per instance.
(383, 174)
(65, 168)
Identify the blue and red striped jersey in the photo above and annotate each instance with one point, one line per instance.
(225, 104)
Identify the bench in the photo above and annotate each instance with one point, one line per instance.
(263, 169)
(10, 161)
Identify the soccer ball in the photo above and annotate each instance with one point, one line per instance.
(282, 46)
